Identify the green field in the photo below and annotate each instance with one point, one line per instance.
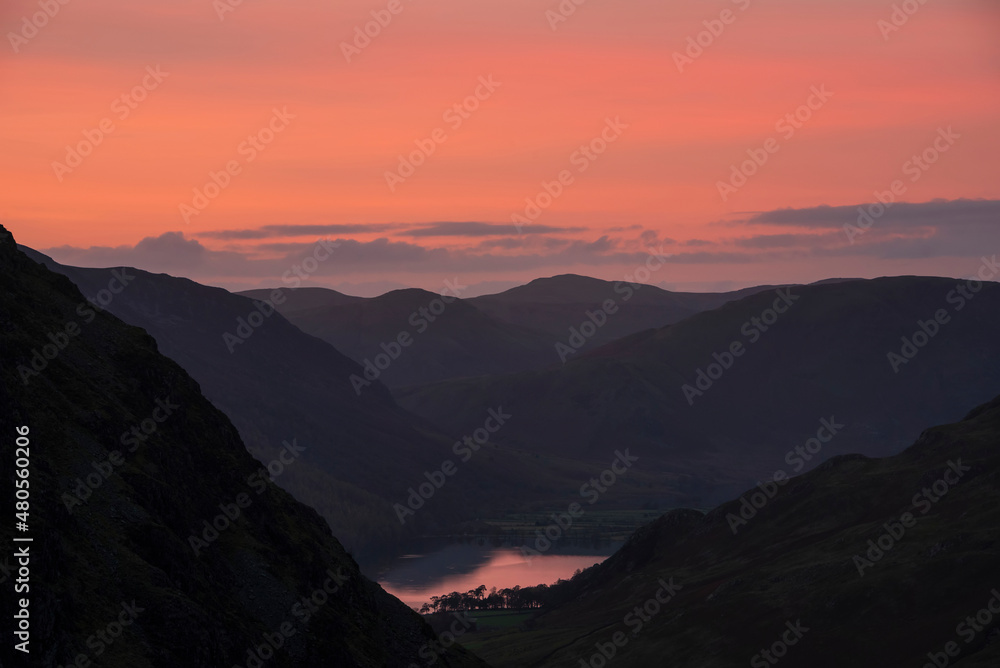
(493, 620)
(494, 623)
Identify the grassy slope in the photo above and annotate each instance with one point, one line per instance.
(795, 561)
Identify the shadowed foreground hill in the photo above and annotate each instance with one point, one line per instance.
(128, 461)
(805, 559)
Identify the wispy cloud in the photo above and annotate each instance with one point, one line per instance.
(413, 230)
(173, 252)
(473, 229)
(276, 231)
(903, 231)
(936, 213)
(946, 235)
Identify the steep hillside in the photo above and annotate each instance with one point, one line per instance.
(683, 400)
(873, 562)
(443, 337)
(363, 454)
(156, 538)
(281, 386)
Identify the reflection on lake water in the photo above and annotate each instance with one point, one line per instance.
(415, 578)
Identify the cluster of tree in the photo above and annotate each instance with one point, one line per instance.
(514, 598)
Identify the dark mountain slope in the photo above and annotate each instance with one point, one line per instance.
(283, 386)
(826, 356)
(554, 305)
(304, 299)
(363, 453)
(805, 556)
(516, 330)
(449, 338)
(124, 554)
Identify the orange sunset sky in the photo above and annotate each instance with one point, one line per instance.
(896, 86)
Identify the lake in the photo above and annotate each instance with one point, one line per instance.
(441, 569)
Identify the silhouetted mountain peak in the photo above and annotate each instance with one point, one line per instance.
(407, 296)
(559, 288)
(303, 298)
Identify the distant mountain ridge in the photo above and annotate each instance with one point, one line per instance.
(679, 396)
(516, 330)
(556, 304)
(304, 299)
(444, 336)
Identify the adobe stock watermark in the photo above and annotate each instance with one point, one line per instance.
(132, 439)
(796, 458)
(32, 25)
(60, 340)
(697, 44)
(926, 330)
(562, 12)
(967, 629)
(786, 126)
(899, 17)
(591, 491)
(915, 168)
(420, 320)
(455, 116)
(366, 32)
(922, 501)
(263, 309)
(582, 158)
(464, 450)
(223, 7)
(122, 107)
(230, 513)
(248, 149)
(301, 612)
(790, 637)
(636, 619)
(597, 318)
(753, 329)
